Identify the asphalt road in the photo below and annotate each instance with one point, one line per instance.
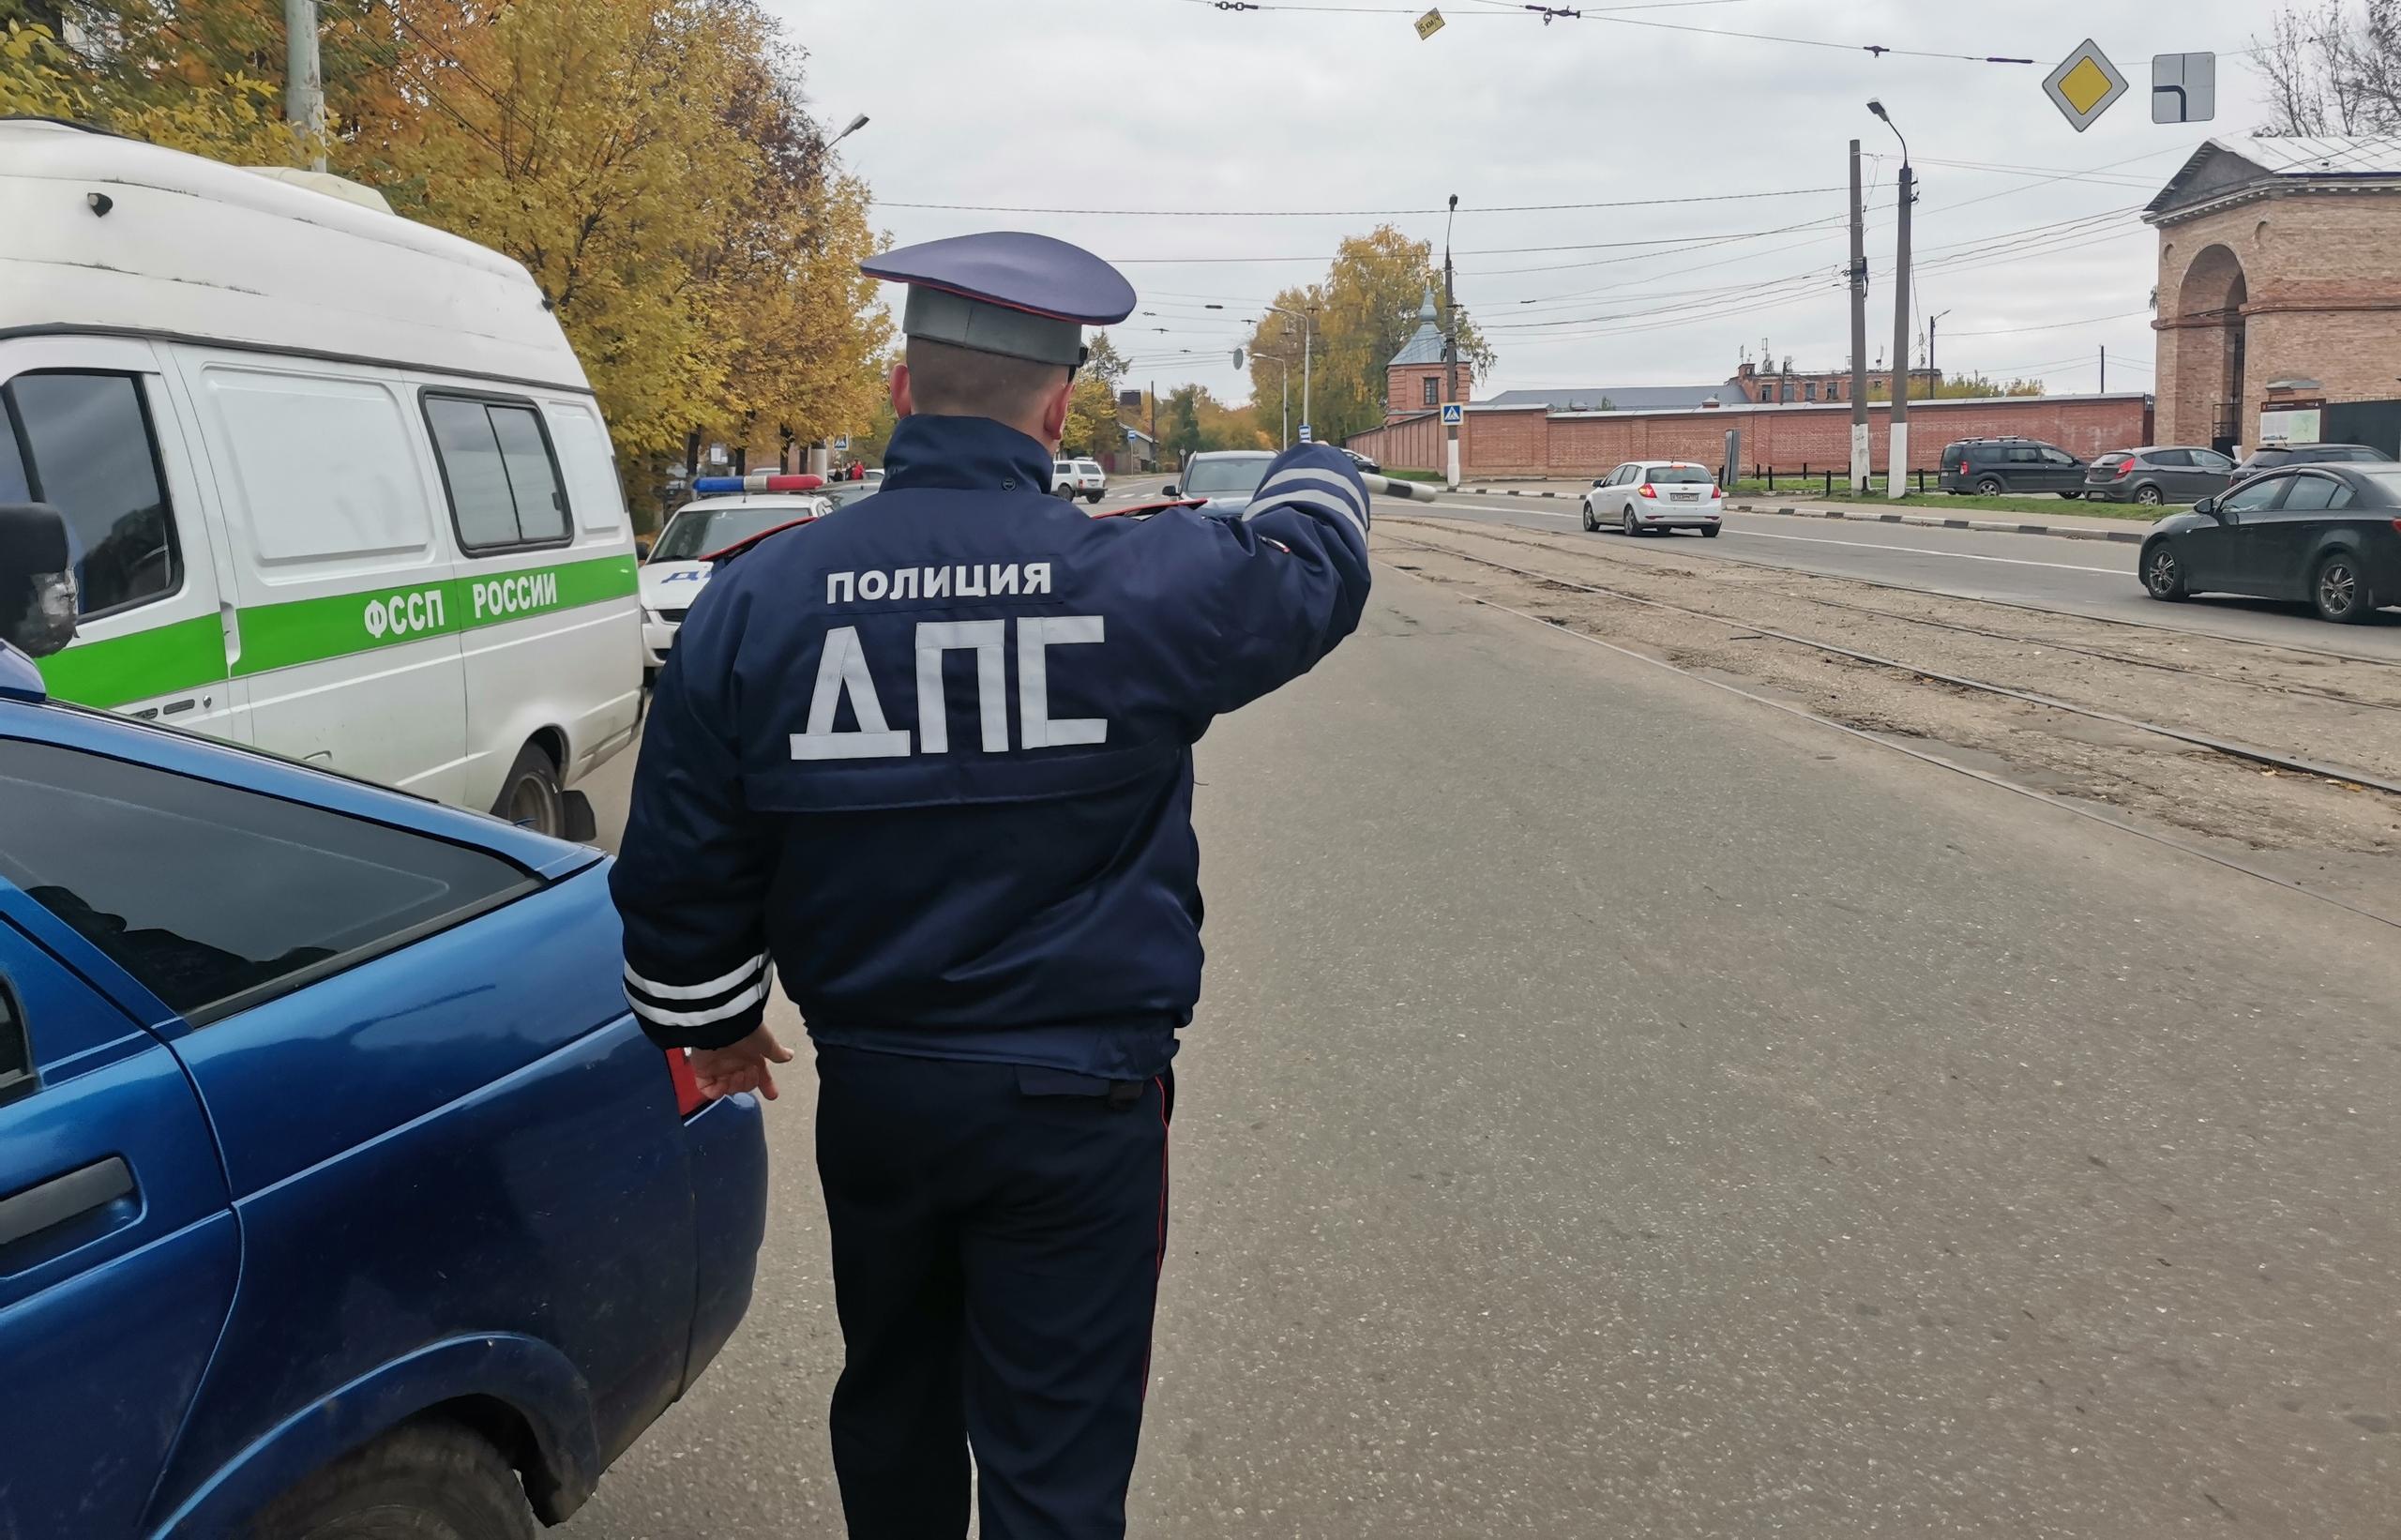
(2085, 576)
(1619, 1108)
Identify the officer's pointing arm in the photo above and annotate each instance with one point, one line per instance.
(1287, 579)
(691, 879)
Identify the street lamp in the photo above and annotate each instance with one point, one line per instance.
(1896, 475)
(821, 452)
(1286, 365)
(1309, 335)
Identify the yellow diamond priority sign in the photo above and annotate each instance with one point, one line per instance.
(2084, 84)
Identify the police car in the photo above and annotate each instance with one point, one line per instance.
(725, 511)
(340, 1193)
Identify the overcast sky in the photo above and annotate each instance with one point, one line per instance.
(1149, 105)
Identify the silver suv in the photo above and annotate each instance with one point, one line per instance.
(1223, 478)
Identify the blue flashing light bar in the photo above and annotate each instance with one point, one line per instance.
(757, 481)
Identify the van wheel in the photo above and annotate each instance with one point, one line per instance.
(1988, 485)
(431, 1481)
(530, 797)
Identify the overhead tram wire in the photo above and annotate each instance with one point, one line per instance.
(1549, 13)
(1353, 213)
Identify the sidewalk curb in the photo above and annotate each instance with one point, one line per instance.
(1991, 526)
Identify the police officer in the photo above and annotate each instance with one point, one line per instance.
(929, 761)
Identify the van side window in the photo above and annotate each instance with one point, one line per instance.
(84, 444)
(504, 480)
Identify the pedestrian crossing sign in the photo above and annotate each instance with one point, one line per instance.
(1453, 415)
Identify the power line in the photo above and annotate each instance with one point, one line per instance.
(1600, 13)
(1343, 213)
(2056, 326)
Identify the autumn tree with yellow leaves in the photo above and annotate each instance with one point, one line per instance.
(651, 162)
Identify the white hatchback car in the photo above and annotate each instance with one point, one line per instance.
(1646, 495)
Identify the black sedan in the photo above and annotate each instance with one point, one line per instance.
(2327, 533)
(1366, 466)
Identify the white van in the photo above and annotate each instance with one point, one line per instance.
(338, 486)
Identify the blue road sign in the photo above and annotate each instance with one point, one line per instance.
(841, 442)
(1304, 433)
(1453, 413)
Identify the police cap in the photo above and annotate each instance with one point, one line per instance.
(1009, 292)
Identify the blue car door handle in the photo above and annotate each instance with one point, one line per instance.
(51, 1203)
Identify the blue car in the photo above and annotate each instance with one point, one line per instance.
(340, 1193)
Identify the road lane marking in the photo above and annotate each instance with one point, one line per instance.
(1921, 550)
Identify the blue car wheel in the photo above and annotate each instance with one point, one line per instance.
(443, 1481)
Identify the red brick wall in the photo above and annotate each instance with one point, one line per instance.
(1405, 388)
(1525, 446)
(1413, 444)
(1497, 444)
(2322, 302)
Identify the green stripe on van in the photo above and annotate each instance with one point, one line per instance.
(184, 655)
(191, 653)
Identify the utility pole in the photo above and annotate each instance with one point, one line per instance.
(1157, 449)
(1897, 480)
(1286, 365)
(1859, 453)
(2104, 369)
(304, 84)
(1308, 334)
(1931, 321)
(1450, 353)
(1308, 337)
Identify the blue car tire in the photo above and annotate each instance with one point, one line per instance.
(450, 1485)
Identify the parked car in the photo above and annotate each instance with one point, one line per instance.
(2278, 456)
(2329, 535)
(1655, 496)
(2158, 476)
(315, 515)
(1366, 466)
(727, 513)
(341, 1185)
(1074, 478)
(1992, 467)
(1223, 480)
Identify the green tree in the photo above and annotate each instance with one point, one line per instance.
(1366, 308)
(1180, 423)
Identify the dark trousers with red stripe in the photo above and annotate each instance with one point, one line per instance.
(997, 1233)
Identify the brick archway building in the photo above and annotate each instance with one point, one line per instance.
(2280, 261)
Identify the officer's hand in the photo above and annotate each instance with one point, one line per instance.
(743, 1067)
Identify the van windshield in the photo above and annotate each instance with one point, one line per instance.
(695, 532)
